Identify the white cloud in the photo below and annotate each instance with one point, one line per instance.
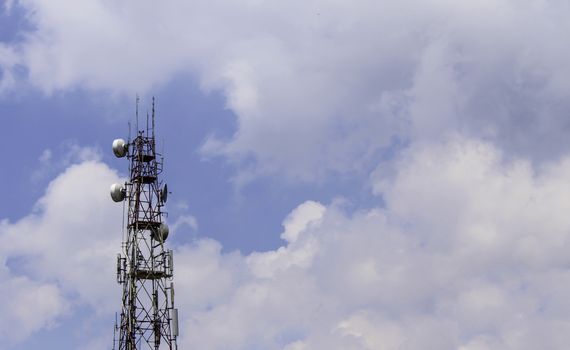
(62, 254)
(322, 87)
(185, 220)
(469, 253)
(470, 250)
(28, 306)
(306, 214)
(299, 251)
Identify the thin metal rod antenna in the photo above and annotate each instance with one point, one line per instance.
(153, 120)
(162, 151)
(137, 111)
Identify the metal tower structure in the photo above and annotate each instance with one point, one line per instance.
(148, 319)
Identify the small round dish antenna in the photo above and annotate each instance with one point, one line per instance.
(118, 192)
(120, 148)
(160, 233)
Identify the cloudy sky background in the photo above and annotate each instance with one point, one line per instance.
(345, 174)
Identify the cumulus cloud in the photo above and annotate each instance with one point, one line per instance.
(345, 81)
(72, 233)
(468, 253)
(469, 250)
(61, 255)
(28, 307)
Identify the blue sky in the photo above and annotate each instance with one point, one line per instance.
(344, 175)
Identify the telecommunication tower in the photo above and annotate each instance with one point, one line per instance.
(148, 318)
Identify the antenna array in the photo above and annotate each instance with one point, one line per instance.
(148, 319)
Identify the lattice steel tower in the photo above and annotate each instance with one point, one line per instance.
(148, 319)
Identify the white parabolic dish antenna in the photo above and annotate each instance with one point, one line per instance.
(161, 233)
(118, 192)
(120, 148)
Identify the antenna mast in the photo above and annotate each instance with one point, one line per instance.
(148, 319)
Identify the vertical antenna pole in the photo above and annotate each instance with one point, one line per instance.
(137, 112)
(153, 140)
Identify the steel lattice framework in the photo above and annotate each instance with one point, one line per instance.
(148, 319)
